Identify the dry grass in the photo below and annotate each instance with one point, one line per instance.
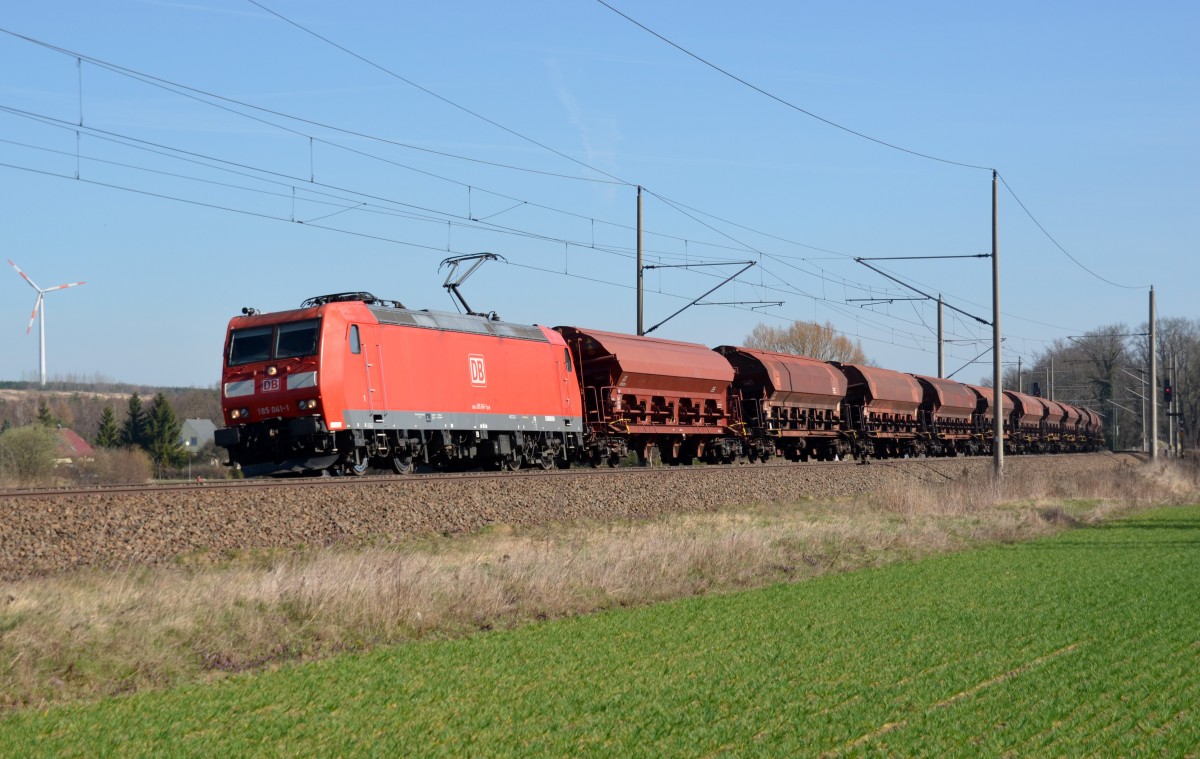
(98, 633)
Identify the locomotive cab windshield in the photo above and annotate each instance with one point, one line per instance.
(274, 341)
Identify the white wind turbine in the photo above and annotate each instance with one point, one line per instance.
(38, 306)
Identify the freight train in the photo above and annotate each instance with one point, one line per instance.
(349, 381)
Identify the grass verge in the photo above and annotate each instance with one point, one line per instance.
(94, 634)
(1083, 643)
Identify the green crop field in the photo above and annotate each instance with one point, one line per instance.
(1085, 643)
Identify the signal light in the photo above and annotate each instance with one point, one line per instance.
(1167, 391)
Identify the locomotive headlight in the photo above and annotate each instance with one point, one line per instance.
(234, 413)
(272, 371)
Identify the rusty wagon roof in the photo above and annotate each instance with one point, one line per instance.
(987, 396)
(1054, 411)
(654, 356)
(1030, 408)
(952, 398)
(1073, 415)
(884, 388)
(791, 378)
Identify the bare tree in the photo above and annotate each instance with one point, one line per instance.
(819, 341)
(1178, 341)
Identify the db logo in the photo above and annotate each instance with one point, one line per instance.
(478, 375)
(270, 385)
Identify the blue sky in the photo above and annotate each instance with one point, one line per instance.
(185, 212)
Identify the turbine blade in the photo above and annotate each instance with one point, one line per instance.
(33, 317)
(64, 287)
(24, 276)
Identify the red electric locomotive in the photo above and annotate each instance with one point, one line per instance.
(349, 380)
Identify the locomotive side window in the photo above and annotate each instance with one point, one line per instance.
(355, 345)
(567, 361)
(296, 339)
(250, 344)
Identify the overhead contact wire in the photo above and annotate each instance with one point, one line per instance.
(780, 100)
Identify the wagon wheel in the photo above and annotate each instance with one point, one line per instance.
(402, 464)
(613, 460)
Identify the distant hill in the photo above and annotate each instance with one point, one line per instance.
(78, 405)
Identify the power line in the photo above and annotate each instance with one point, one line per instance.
(444, 99)
(836, 125)
(1061, 248)
(306, 188)
(196, 93)
(489, 226)
(431, 93)
(180, 89)
(780, 100)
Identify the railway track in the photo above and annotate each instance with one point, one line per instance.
(51, 530)
(385, 479)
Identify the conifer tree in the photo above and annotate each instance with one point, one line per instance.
(109, 434)
(44, 417)
(162, 433)
(133, 430)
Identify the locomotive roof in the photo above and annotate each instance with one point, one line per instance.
(391, 314)
(450, 322)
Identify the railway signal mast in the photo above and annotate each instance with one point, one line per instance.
(39, 309)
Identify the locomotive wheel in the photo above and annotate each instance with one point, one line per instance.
(357, 464)
(402, 464)
(513, 462)
(546, 460)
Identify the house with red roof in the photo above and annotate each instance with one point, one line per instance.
(71, 447)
